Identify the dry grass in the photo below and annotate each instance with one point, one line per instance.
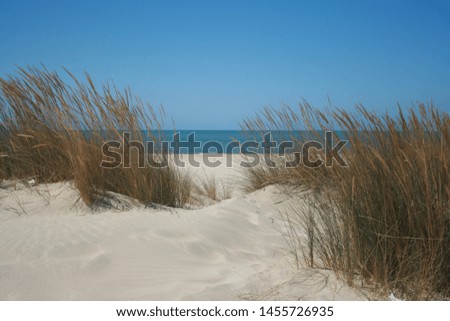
(212, 189)
(260, 176)
(52, 129)
(385, 219)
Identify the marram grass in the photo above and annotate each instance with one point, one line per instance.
(44, 119)
(383, 220)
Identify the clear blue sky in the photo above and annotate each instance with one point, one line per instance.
(213, 63)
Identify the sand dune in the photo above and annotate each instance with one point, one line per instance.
(54, 248)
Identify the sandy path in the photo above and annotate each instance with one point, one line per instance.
(53, 248)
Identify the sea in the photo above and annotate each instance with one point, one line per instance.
(232, 141)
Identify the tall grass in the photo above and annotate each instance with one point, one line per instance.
(52, 129)
(384, 219)
(212, 188)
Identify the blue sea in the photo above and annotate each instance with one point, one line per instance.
(228, 141)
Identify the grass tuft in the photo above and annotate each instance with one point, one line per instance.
(384, 219)
(52, 128)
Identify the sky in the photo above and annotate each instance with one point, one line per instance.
(212, 64)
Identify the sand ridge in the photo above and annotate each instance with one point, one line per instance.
(52, 247)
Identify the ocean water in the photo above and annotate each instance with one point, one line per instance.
(228, 141)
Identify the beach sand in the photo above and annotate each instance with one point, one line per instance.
(52, 247)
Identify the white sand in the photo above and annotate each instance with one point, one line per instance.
(53, 248)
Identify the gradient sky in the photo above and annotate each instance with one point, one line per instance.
(213, 63)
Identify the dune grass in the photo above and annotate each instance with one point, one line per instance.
(52, 128)
(212, 188)
(385, 219)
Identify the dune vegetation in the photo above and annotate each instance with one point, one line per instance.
(383, 220)
(52, 128)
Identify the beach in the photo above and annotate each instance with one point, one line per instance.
(53, 247)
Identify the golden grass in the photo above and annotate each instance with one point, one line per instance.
(212, 188)
(384, 219)
(52, 129)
